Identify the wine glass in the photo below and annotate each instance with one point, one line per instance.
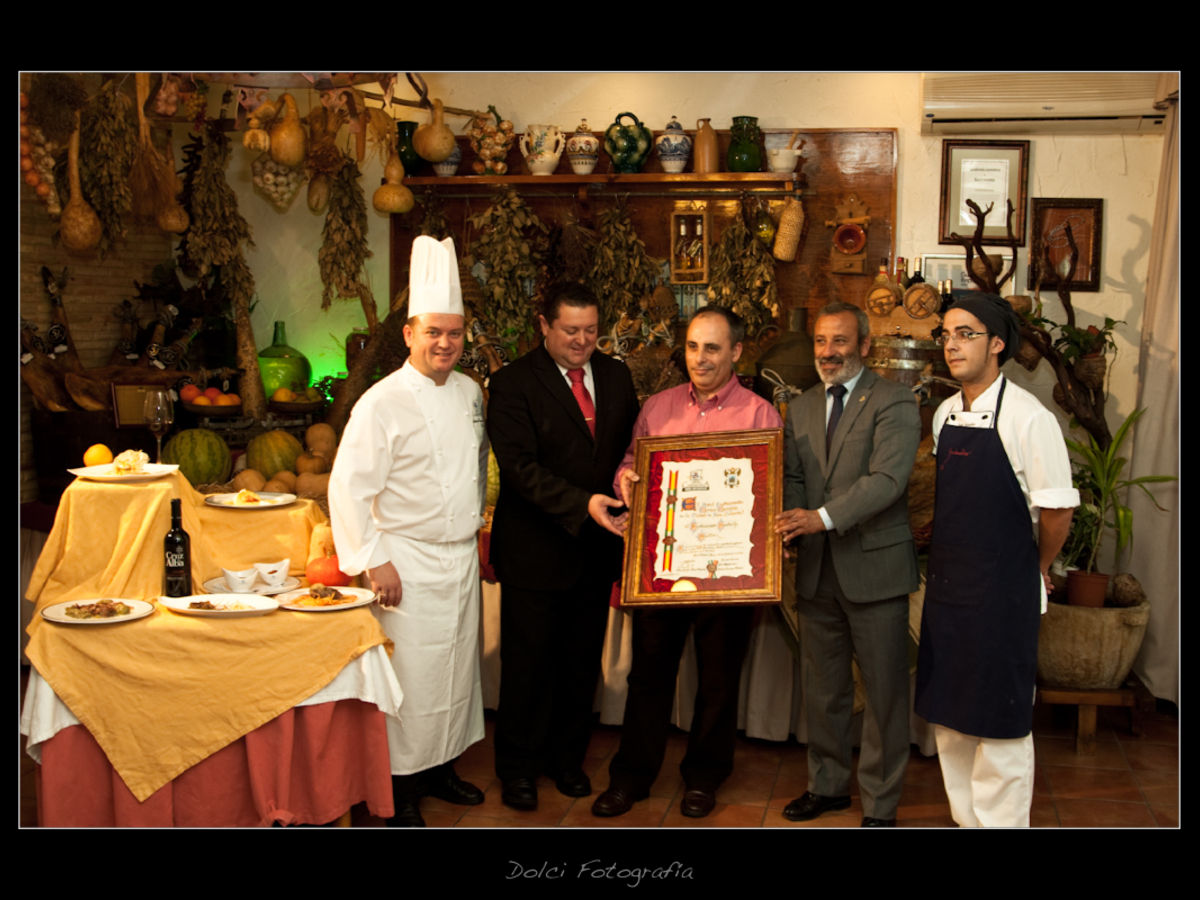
(158, 414)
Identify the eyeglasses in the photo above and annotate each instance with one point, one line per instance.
(958, 337)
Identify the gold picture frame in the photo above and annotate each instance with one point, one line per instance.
(723, 493)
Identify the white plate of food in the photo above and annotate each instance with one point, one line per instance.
(218, 586)
(249, 500)
(221, 606)
(149, 472)
(107, 611)
(306, 599)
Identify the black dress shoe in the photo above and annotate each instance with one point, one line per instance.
(519, 793)
(614, 802)
(407, 816)
(446, 785)
(812, 805)
(698, 802)
(870, 822)
(573, 783)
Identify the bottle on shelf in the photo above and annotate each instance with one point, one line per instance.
(177, 554)
(902, 272)
(917, 277)
(682, 259)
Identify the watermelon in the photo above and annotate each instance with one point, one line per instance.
(201, 454)
(274, 451)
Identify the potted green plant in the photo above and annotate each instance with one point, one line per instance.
(1098, 477)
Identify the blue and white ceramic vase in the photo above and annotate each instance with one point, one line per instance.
(674, 147)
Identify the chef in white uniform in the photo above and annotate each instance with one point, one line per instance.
(406, 499)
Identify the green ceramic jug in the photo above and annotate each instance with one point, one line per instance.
(744, 152)
(628, 144)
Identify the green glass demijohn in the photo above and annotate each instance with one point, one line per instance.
(745, 152)
(283, 366)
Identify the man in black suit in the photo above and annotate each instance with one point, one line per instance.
(559, 419)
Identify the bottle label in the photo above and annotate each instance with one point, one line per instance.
(176, 559)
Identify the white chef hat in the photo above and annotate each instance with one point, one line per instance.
(433, 285)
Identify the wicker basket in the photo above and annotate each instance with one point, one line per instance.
(791, 226)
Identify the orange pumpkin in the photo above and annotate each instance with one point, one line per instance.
(311, 464)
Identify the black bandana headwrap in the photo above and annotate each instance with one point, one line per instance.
(997, 315)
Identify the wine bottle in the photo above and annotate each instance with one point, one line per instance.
(902, 272)
(917, 277)
(177, 553)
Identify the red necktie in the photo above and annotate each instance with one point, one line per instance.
(583, 398)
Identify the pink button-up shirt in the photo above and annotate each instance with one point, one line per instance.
(677, 411)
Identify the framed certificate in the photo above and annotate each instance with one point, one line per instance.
(985, 172)
(702, 524)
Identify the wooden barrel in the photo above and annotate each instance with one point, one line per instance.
(903, 360)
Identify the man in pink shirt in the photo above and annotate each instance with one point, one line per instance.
(713, 400)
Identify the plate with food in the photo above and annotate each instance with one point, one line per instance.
(250, 500)
(319, 598)
(107, 611)
(219, 586)
(132, 465)
(221, 606)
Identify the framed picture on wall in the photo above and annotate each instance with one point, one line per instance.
(987, 173)
(1051, 218)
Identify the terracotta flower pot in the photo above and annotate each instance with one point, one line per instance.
(1086, 588)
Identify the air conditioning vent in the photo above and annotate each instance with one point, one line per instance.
(1039, 102)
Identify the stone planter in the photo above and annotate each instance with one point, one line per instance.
(1089, 649)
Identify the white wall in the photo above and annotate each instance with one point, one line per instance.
(1123, 170)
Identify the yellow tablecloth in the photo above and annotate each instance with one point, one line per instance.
(162, 693)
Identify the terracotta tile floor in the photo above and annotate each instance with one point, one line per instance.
(1130, 782)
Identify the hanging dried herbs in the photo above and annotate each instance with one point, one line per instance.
(215, 238)
(344, 251)
(107, 140)
(54, 98)
(622, 273)
(570, 253)
(217, 229)
(742, 276)
(434, 222)
(507, 246)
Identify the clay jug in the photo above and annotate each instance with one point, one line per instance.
(434, 140)
(704, 152)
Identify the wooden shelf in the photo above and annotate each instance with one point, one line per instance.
(604, 178)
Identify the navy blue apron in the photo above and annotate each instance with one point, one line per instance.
(977, 661)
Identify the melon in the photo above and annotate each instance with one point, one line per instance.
(201, 454)
(273, 452)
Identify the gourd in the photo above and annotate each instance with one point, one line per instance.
(310, 484)
(248, 480)
(288, 479)
(273, 452)
(79, 227)
(275, 486)
(307, 462)
(202, 455)
(289, 140)
(434, 140)
(392, 196)
(322, 441)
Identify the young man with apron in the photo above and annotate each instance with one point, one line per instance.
(406, 502)
(1002, 472)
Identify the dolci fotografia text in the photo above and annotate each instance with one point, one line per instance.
(599, 870)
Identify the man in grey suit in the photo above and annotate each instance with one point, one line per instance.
(850, 450)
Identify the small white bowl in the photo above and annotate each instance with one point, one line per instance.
(781, 159)
(240, 582)
(273, 574)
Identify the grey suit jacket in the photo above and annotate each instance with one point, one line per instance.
(863, 485)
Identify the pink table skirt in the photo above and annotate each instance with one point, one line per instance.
(308, 766)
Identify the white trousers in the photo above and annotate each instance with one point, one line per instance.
(989, 781)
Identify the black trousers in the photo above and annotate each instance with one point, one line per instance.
(550, 648)
(721, 637)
